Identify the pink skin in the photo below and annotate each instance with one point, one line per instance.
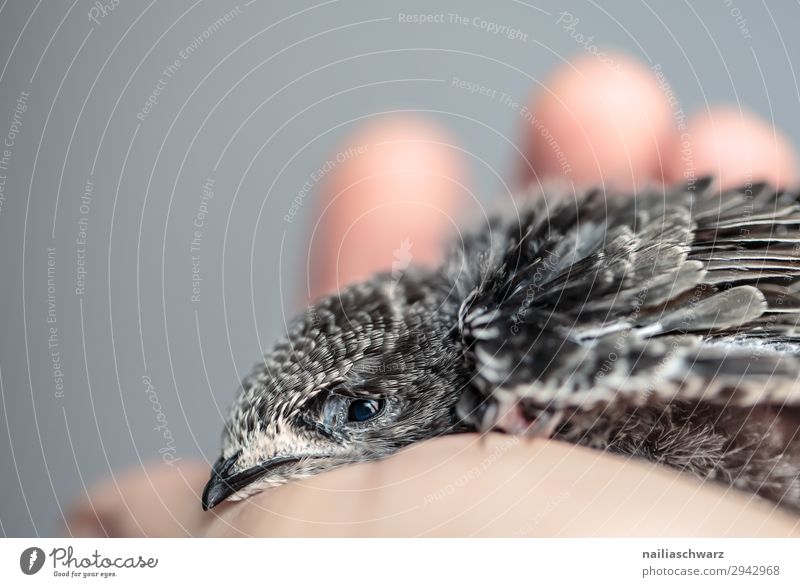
(615, 128)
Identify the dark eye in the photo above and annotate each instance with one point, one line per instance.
(361, 410)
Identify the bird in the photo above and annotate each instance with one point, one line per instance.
(660, 325)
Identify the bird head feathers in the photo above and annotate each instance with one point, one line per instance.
(358, 376)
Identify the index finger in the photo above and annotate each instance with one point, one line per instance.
(392, 203)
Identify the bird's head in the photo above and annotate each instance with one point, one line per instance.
(358, 376)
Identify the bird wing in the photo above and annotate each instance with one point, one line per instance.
(668, 295)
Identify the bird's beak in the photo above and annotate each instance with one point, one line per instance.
(223, 483)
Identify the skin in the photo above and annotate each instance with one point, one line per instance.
(614, 130)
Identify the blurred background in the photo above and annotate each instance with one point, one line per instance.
(161, 171)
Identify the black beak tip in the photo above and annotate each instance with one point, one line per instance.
(219, 487)
(214, 493)
(224, 483)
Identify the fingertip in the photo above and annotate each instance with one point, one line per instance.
(600, 118)
(395, 187)
(156, 499)
(736, 147)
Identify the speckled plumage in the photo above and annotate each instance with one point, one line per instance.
(662, 326)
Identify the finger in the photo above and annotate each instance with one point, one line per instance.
(157, 500)
(736, 147)
(598, 119)
(525, 488)
(391, 200)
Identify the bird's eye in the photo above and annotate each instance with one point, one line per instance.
(361, 410)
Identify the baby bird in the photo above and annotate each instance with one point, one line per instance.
(661, 326)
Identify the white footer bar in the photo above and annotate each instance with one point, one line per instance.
(401, 562)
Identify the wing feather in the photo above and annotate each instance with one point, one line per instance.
(595, 301)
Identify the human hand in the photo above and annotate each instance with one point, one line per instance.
(408, 184)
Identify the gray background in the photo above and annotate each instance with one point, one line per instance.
(258, 106)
